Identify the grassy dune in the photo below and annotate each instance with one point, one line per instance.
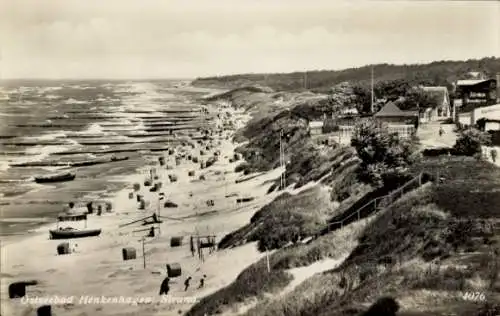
(424, 250)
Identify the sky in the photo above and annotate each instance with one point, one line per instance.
(196, 38)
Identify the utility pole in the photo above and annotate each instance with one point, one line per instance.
(143, 254)
(305, 80)
(267, 260)
(372, 96)
(281, 159)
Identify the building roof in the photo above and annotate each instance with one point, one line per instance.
(391, 110)
(316, 124)
(471, 82)
(440, 93)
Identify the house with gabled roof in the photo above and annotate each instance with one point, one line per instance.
(443, 104)
(402, 122)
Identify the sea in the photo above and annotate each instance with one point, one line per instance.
(45, 125)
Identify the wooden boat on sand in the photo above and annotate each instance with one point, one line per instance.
(60, 177)
(67, 233)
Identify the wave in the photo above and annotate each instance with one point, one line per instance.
(74, 101)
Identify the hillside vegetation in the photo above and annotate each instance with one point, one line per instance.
(425, 250)
(436, 73)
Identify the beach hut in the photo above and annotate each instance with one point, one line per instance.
(176, 241)
(174, 270)
(44, 310)
(129, 253)
(63, 248)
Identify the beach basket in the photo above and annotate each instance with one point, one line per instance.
(194, 159)
(90, 208)
(189, 157)
(18, 289)
(139, 197)
(63, 248)
(177, 161)
(142, 204)
(137, 187)
(161, 160)
(44, 310)
(174, 270)
(191, 173)
(109, 206)
(129, 253)
(202, 177)
(202, 152)
(176, 241)
(170, 152)
(131, 195)
(172, 177)
(147, 183)
(169, 167)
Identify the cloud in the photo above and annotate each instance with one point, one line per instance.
(162, 38)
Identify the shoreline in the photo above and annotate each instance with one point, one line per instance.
(90, 264)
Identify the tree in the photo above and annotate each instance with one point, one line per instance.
(470, 142)
(417, 98)
(362, 98)
(383, 155)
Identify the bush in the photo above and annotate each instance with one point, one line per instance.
(241, 167)
(252, 282)
(434, 152)
(382, 152)
(470, 142)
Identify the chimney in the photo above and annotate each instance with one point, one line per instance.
(498, 87)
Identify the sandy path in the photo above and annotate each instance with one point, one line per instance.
(96, 268)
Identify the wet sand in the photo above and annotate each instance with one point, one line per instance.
(96, 268)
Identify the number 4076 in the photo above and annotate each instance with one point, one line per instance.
(474, 296)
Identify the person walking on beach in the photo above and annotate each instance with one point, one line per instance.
(493, 154)
(202, 281)
(191, 244)
(441, 131)
(165, 288)
(186, 283)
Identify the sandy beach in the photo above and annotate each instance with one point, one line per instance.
(95, 268)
